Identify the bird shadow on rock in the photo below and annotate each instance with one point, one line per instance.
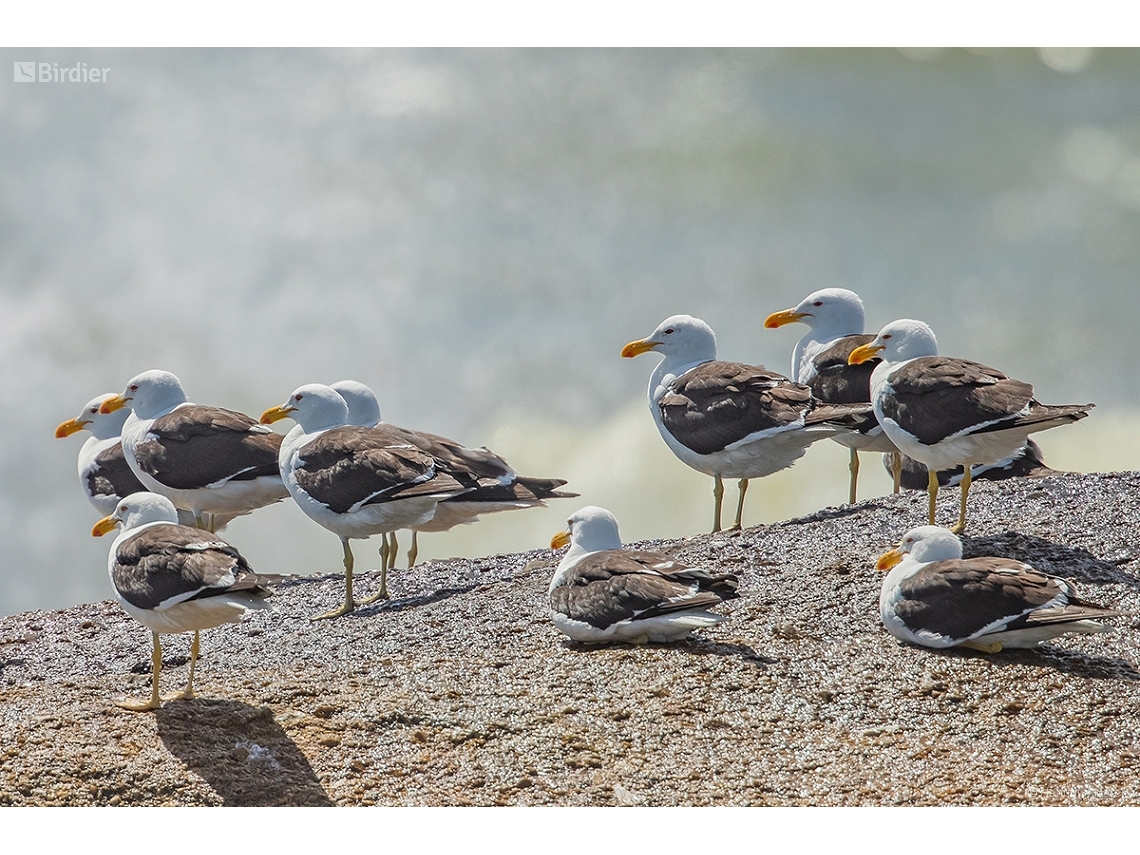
(415, 601)
(1070, 562)
(691, 647)
(241, 752)
(1060, 659)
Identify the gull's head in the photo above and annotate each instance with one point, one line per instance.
(102, 425)
(681, 337)
(150, 394)
(835, 310)
(898, 341)
(589, 529)
(135, 510)
(313, 406)
(923, 544)
(363, 408)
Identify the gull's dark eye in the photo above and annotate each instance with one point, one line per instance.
(134, 387)
(888, 335)
(94, 409)
(818, 303)
(669, 331)
(298, 397)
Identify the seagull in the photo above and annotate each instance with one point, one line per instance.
(172, 578)
(603, 593)
(209, 461)
(1028, 462)
(103, 471)
(936, 598)
(947, 412)
(355, 481)
(495, 486)
(834, 317)
(728, 419)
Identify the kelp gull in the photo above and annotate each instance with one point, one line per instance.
(355, 481)
(728, 419)
(834, 317)
(936, 598)
(603, 593)
(207, 460)
(947, 412)
(172, 578)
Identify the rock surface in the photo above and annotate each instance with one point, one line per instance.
(459, 690)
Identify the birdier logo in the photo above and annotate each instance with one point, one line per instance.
(52, 72)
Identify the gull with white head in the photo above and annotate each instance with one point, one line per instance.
(934, 597)
(729, 419)
(947, 412)
(834, 317)
(173, 578)
(603, 593)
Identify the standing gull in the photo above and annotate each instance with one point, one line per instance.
(495, 486)
(935, 598)
(947, 412)
(173, 578)
(207, 460)
(601, 592)
(834, 317)
(103, 471)
(728, 419)
(354, 481)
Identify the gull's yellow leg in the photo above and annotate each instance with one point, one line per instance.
(155, 701)
(200, 521)
(188, 693)
(388, 554)
(854, 467)
(718, 496)
(349, 604)
(414, 551)
(966, 479)
(896, 470)
(985, 647)
(932, 490)
(740, 504)
(384, 551)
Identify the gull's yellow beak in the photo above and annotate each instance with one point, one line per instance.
(103, 526)
(69, 427)
(559, 540)
(636, 348)
(889, 559)
(788, 316)
(864, 352)
(276, 414)
(112, 404)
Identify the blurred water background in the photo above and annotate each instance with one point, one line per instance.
(476, 233)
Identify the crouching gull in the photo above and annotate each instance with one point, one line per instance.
(355, 481)
(834, 317)
(947, 412)
(172, 578)
(1028, 462)
(601, 592)
(207, 460)
(495, 486)
(935, 598)
(728, 419)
